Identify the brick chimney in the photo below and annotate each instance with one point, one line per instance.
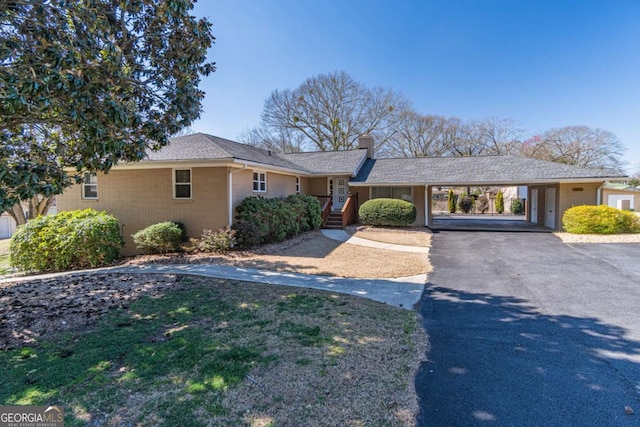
(366, 142)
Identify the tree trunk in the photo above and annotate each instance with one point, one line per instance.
(36, 206)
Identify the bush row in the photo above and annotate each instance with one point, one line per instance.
(260, 220)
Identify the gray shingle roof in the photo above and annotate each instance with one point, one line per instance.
(622, 187)
(200, 146)
(427, 170)
(329, 162)
(471, 170)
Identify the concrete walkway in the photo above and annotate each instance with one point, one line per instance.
(343, 236)
(402, 292)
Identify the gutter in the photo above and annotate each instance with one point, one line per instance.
(230, 191)
(599, 195)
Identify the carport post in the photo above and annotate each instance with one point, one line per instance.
(427, 205)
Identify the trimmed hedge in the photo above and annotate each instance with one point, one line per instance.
(67, 240)
(599, 220)
(161, 238)
(389, 212)
(260, 220)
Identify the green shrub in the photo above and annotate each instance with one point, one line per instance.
(311, 213)
(247, 234)
(599, 220)
(465, 203)
(500, 202)
(517, 207)
(184, 234)
(161, 238)
(390, 212)
(452, 201)
(67, 240)
(261, 220)
(219, 241)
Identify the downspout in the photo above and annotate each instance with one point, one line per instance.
(230, 191)
(599, 195)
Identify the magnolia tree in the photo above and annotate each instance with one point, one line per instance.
(87, 84)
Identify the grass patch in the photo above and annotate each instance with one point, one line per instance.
(228, 353)
(161, 348)
(5, 268)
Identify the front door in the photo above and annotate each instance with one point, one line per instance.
(339, 189)
(550, 207)
(534, 206)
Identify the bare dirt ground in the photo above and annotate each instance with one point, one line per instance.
(312, 253)
(33, 309)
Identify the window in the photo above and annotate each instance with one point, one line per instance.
(182, 183)
(403, 193)
(259, 182)
(90, 186)
(297, 185)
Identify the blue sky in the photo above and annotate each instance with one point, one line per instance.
(542, 63)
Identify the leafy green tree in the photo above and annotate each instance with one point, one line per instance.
(89, 83)
(500, 202)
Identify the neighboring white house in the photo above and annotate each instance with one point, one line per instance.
(621, 196)
(7, 226)
(512, 193)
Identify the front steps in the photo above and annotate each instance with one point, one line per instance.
(334, 221)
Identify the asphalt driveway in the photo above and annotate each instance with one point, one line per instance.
(528, 331)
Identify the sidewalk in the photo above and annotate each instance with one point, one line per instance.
(343, 236)
(402, 292)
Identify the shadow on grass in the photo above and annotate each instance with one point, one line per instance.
(156, 359)
(498, 360)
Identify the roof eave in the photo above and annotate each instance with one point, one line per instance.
(480, 183)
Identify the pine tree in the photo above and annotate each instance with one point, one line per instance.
(452, 202)
(499, 202)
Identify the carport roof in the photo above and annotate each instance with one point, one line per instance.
(481, 170)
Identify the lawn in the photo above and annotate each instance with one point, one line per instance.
(4, 256)
(200, 351)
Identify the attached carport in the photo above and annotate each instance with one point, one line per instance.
(552, 187)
